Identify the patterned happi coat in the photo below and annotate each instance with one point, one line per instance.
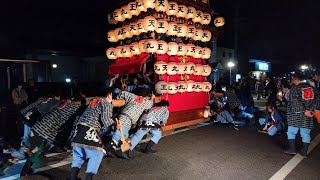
(302, 97)
(154, 118)
(134, 107)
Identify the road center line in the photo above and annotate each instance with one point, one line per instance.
(287, 168)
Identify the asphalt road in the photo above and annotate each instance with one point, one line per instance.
(209, 152)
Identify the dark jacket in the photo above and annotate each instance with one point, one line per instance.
(279, 122)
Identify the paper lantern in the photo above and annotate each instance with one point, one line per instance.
(198, 34)
(173, 29)
(182, 86)
(111, 53)
(206, 53)
(182, 68)
(118, 51)
(111, 36)
(206, 87)
(198, 87)
(127, 52)
(149, 23)
(162, 26)
(198, 53)
(117, 15)
(127, 33)
(142, 45)
(219, 21)
(190, 31)
(172, 8)
(119, 33)
(161, 87)
(125, 12)
(206, 112)
(134, 48)
(149, 4)
(140, 6)
(160, 67)
(198, 17)
(172, 48)
(111, 19)
(182, 30)
(161, 5)
(206, 70)
(190, 86)
(172, 69)
(190, 68)
(182, 49)
(206, 18)
(133, 29)
(182, 11)
(191, 12)
(198, 70)
(151, 46)
(132, 9)
(206, 36)
(140, 26)
(191, 49)
(162, 47)
(172, 88)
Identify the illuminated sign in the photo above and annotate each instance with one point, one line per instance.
(263, 66)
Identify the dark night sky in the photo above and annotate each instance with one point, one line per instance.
(268, 29)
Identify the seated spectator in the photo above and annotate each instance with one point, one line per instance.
(273, 122)
(19, 95)
(221, 114)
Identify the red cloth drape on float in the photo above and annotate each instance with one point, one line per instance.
(128, 65)
(183, 101)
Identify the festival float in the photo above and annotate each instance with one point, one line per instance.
(172, 38)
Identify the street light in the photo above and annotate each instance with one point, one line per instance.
(304, 67)
(230, 65)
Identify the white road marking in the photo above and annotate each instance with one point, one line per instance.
(68, 160)
(287, 168)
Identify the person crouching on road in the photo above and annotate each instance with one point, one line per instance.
(273, 122)
(151, 122)
(86, 141)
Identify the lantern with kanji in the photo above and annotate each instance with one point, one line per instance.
(198, 52)
(182, 11)
(149, 23)
(117, 15)
(127, 33)
(149, 4)
(206, 53)
(151, 46)
(133, 29)
(140, 26)
(191, 12)
(206, 36)
(161, 5)
(206, 18)
(198, 35)
(142, 45)
(125, 13)
(160, 67)
(112, 36)
(182, 86)
(161, 87)
(190, 86)
(182, 30)
(124, 52)
(206, 70)
(134, 48)
(140, 6)
(198, 17)
(219, 21)
(190, 31)
(162, 47)
(172, 88)
(132, 9)
(198, 87)
(198, 70)
(111, 19)
(190, 68)
(206, 87)
(191, 49)
(182, 49)
(182, 68)
(162, 26)
(127, 52)
(172, 48)
(118, 33)
(118, 51)
(173, 29)
(172, 8)
(111, 53)
(172, 69)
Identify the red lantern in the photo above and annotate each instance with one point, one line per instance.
(160, 67)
